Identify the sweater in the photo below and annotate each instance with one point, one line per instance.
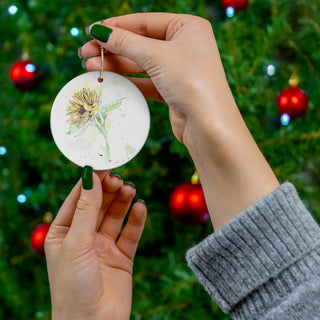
(265, 263)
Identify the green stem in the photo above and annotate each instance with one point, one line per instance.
(103, 131)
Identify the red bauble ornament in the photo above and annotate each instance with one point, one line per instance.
(188, 205)
(293, 101)
(237, 5)
(24, 75)
(38, 237)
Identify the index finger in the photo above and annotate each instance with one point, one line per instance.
(151, 24)
(66, 212)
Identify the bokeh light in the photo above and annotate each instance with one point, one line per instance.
(21, 198)
(271, 70)
(230, 12)
(3, 150)
(74, 31)
(13, 9)
(30, 67)
(285, 119)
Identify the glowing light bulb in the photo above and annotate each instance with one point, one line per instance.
(3, 150)
(285, 119)
(13, 9)
(21, 198)
(230, 12)
(74, 31)
(271, 70)
(30, 67)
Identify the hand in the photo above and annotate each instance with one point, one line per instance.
(89, 264)
(178, 52)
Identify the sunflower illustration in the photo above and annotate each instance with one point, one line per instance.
(84, 110)
(83, 107)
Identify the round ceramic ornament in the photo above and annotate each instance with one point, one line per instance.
(102, 124)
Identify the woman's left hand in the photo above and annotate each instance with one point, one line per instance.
(89, 264)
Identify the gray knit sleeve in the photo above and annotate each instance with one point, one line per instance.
(265, 263)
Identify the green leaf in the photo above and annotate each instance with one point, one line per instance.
(110, 107)
(73, 128)
(78, 131)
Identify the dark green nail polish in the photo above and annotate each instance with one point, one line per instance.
(100, 32)
(141, 200)
(130, 183)
(87, 181)
(115, 174)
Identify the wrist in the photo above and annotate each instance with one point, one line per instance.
(60, 316)
(233, 172)
(62, 313)
(210, 108)
(210, 119)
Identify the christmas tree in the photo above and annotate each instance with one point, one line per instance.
(263, 45)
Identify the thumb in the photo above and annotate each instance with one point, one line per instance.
(135, 47)
(85, 218)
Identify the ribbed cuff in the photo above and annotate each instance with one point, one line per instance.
(259, 256)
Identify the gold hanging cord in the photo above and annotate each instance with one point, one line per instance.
(100, 79)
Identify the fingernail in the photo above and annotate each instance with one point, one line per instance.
(88, 30)
(141, 200)
(130, 183)
(87, 181)
(80, 53)
(83, 63)
(100, 32)
(115, 174)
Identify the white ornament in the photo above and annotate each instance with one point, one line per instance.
(100, 124)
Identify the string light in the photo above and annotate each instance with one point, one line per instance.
(271, 70)
(285, 119)
(13, 9)
(21, 198)
(74, 31)
(230, 12)
(30, 67)
(3, 150)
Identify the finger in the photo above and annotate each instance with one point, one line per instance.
(85, 218)
(89, 49)
(153, 25)
(123, 65)
(147, 88)
(114, 63)
(60, 225)
(102, 173)
(110, 186)
(125, 43)
(129, 239)
(113, 219)
(66, 212)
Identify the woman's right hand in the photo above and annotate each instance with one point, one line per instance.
(178, 52)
